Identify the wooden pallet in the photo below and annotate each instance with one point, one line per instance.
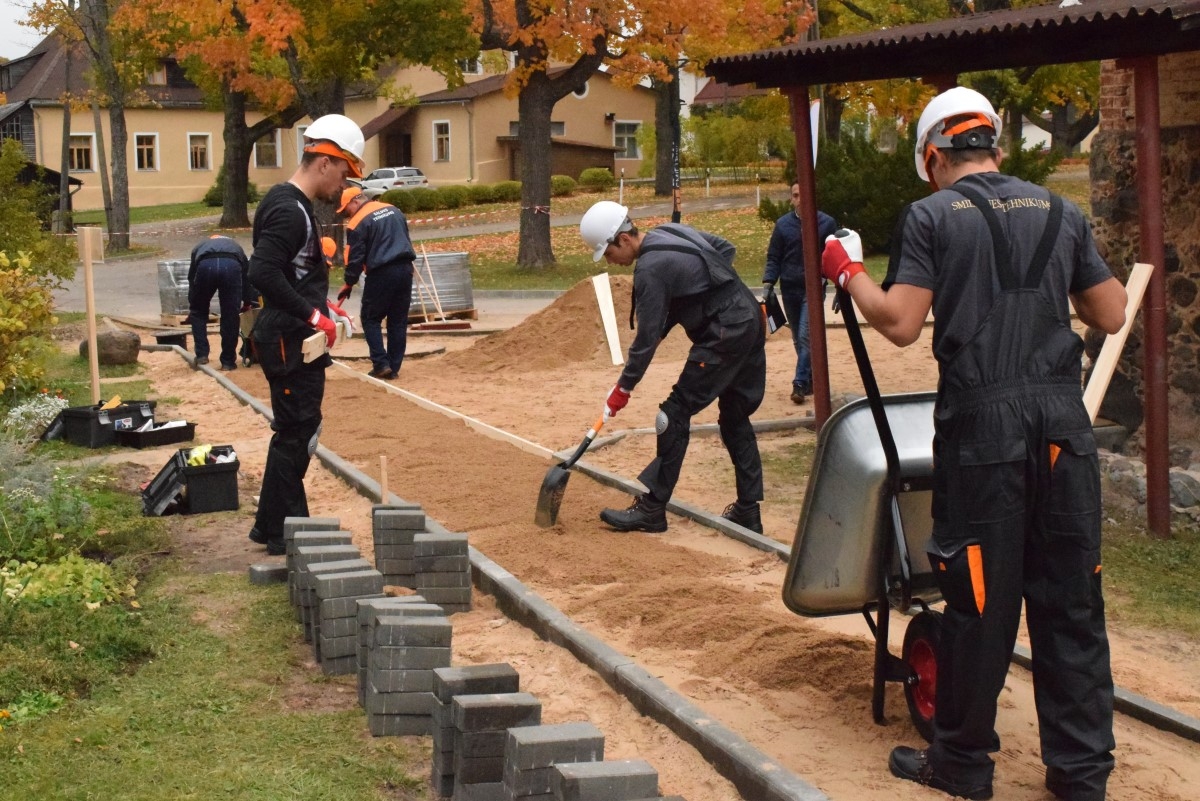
(430, 316)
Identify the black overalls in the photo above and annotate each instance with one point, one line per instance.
(1016, 508)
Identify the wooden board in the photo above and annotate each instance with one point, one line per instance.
(1110, 352)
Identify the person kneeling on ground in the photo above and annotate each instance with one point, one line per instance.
(686, 277)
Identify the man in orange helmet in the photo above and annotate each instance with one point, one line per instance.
(378, 247)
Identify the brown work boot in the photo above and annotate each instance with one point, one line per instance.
(646, 514)
(800, 393)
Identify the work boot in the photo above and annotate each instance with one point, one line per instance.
(201, 360)
(257, 537)
(746, 515)
(798, 393)
(384, 373)
(279, 548)
(646, 514)
(913, 765)
(227, 367)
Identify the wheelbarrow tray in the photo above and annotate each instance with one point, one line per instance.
(846, 522)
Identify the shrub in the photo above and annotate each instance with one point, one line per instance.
(424, 199)
(25, 319)
(482, 193)
(771, 210)
(401, 199)
(597, 179)
(29, 419)
(454, 196)
(562, 185)
(23, 207)
(215, 196)
(508, 191)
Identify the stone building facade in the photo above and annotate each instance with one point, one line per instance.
(1115, 223)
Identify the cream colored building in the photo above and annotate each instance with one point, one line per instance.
(175, 147)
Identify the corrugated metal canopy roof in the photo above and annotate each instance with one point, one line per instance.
(1033, 36)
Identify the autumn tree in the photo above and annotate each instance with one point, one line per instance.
(118, 69)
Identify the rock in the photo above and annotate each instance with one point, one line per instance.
(114, 347)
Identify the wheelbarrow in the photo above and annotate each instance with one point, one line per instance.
(860, 542)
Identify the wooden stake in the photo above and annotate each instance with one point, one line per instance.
(437, 301)
(383, 488)
(91, 243)
(1110, 352)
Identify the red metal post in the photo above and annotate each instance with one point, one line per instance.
(1150, 223)
(807, 179)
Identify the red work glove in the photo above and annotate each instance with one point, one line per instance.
(323, 323)
(842, 259)
(344, 292)
(616, 400)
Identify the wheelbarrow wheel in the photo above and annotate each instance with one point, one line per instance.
(922, 639)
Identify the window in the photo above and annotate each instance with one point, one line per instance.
(266, 150)
(81, 152)
(300, 129)
(146, 151)
(198, 151)
(470, 66)
(441, 141)
(157, 76)
(625, 137)
(11, 128)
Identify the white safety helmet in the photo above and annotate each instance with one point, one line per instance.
(601, 224)
(957, 102)
(338, 136)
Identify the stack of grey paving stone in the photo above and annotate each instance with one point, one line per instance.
(369, 610)
(293, 526)
(615, 780)
(448, 683)
(443, 570)
(311, 539)
(532, 752)
(315, 560)
(402, 655)
(335, 637)
(481, 724)
(393, 527)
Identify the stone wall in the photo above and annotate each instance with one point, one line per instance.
(1115, 223)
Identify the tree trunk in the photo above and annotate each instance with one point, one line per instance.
(535, 105)
(118, 221)
(62, 221)
(832, 107)
(663, 138)
(236, 166)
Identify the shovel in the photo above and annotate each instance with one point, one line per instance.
(554, 485)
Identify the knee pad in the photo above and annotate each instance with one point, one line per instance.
(958, 570)
(661, 423)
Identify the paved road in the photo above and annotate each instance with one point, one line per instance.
(128, 287)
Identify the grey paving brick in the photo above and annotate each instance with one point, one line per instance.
(367, 606)
(381, 537)
(303, 539)
(308, 572)
(340, 627)
(341, 585)
(480, 743)
(443, 564)
(476, 770)
(416, 703)
(400, 657)
(480, 791)
(398, 725)
(397, 550)
(614, 780)
(293, 524)
(396, 630)
(399, 580)
(492, 711)
(334, 647)
(542, 746)
(395, 566)
(268, 574)
(346, 607)
(441, 544)
(452, 595)
(498, 677)
(338, 666)
(398, 520)
(401, 681)
(443, 785)
(522, 783)
(460, 579)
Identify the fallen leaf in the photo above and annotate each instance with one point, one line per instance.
(72, 644)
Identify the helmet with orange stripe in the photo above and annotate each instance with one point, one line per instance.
(957, 119)
(337, 136)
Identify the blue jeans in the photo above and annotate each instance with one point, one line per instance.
(796, 309)
(222, 277)
(387, 295)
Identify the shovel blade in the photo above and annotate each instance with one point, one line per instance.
(554, 485)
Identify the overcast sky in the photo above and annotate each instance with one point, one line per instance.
(16, 40)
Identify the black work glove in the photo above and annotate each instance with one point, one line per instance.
(344, 293)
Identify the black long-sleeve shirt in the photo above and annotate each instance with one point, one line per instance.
(287, 265)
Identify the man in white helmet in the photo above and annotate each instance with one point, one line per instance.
(1016, 497)
(685, 277)
(289, 269)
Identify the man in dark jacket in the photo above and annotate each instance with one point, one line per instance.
(785, 263)
(219, 267)
(378, 246)
(288, 268)
(685, 277)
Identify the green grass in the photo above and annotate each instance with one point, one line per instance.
(1152, 582)
(148, 214)
(212, 716)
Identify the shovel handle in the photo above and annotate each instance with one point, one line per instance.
(587, 441)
